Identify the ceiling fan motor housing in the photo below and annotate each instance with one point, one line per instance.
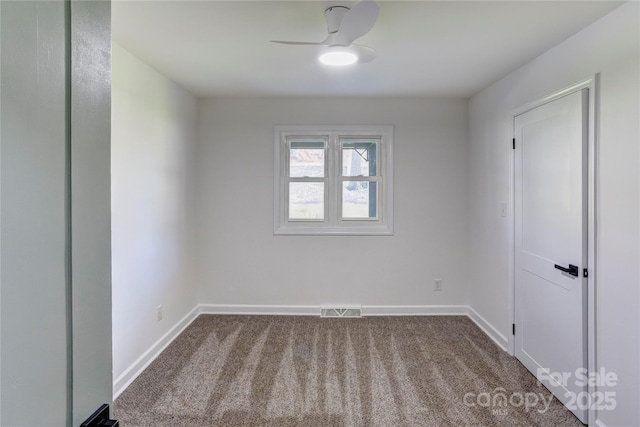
(334, 16)
(345, 25)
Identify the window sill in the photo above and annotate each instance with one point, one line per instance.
(336, 231)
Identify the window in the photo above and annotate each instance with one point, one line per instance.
(333, 180)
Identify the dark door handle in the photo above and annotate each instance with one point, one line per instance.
(572, 270)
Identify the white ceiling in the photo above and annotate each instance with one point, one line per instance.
(425, 48)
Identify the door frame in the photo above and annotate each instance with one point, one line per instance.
(591, 83)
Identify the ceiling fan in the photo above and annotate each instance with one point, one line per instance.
(345, 25)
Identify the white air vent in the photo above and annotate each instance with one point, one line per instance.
(340, 311)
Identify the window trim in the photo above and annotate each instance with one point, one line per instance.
(333, 224)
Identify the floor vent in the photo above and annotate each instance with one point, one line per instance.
(340, 311)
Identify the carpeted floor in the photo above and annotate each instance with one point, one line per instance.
(307, 371)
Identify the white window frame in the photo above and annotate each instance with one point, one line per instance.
(333, 224)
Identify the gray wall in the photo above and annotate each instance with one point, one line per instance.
(55, 242)
(33, 195)
(90, 157)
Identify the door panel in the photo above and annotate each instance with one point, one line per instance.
(549, 204)
(550, 220)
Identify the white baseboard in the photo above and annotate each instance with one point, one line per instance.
(314, 310)
(132, 372)
(489, 329)
(414, 310)
(599, 423)
(271, 310)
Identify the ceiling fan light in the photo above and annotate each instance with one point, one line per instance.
(338, 58)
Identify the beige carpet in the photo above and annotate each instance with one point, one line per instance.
(308, 371)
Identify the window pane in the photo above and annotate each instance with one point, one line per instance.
(306, 201)
(306, 158)
(359, 199)
(359, 158)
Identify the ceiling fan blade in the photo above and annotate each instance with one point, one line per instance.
(298, 43)
(357, 22)
(365, 53)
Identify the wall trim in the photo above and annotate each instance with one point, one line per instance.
(271, 310)
(489, 329)
(136, 368)
(414, 310)
(314, 310)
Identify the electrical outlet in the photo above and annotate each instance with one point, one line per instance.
(159, 312)
(503, 209)
(437, 284)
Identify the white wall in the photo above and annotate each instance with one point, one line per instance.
(153, 140)
(241, 262)
(610, 47)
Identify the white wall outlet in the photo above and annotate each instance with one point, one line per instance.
(503, 209)
(437, 284)
(159, 312)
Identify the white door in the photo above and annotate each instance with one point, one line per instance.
(551, 245)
